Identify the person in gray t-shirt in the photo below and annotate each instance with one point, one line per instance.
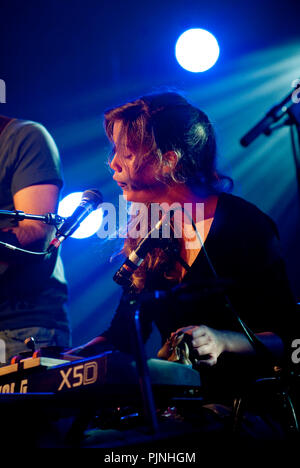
(33, 290)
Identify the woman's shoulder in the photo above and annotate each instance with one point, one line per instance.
(245, 214)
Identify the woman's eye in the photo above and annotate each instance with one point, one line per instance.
(128, 156)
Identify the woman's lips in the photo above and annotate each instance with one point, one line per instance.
(122, 184)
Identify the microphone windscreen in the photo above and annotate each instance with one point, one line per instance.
(92, 196)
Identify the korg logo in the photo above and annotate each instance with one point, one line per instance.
(2, 92)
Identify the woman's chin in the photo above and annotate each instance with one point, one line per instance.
(130, 195)
(146, 195)
(137, 196)
(133, 197)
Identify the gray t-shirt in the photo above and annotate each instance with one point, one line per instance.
(33, 292)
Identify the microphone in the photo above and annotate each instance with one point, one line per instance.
(274, 114)
(90, 200)
(136, 257)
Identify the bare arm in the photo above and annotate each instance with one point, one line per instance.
(88, 348)
(212, 343)
(35, 199)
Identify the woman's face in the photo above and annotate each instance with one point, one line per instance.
(137, 185)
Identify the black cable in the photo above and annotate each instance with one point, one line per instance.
(19, 249)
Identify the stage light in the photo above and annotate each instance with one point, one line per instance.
(89, 225)
(197, 50)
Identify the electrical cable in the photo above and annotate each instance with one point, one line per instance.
(19, 249)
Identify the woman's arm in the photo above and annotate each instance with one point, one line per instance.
(89, 348)
(212, 343)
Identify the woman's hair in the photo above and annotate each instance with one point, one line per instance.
(154, 125)
(157, 123)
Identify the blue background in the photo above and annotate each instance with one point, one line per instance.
(65, 62)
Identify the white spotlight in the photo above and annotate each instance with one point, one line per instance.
(89, 225)
(197, 50)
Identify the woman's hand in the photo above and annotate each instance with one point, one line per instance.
(207, 342)
(210, 343)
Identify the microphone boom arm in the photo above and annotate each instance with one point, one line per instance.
(48, 218)
(284, 108)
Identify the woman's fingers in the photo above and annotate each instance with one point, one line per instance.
(211, 361)
(200, 341)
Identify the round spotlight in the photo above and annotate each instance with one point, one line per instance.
(197, 50)
(89, 225)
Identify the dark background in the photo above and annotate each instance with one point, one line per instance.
(64, 62)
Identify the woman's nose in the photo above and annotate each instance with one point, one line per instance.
(115, 164)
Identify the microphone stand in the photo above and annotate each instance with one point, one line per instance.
(49, 218)
(142, 366)
(139, 349)
(294, 120)
(288, 108)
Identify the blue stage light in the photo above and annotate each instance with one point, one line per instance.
(89, 225)
(197, 50)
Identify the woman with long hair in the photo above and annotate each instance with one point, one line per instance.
(227, 261)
